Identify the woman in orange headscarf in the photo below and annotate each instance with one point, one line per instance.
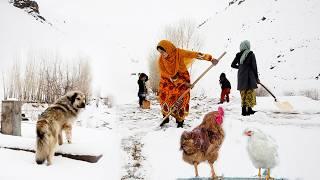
(175, 79)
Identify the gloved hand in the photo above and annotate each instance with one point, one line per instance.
(258, 81)
(214, 61)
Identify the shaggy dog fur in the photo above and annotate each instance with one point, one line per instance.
(203, 142)
(55, 119)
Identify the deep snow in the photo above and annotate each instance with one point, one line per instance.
(134, 147)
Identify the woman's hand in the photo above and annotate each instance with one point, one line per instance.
(202, 56)
(258, 81)
(189, 85)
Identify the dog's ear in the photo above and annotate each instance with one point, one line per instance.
(73, 97)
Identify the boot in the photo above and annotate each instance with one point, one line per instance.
(165, 121)
(250, 111)
(244, 111)
(180, 124)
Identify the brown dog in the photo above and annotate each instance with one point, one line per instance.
(53, 121)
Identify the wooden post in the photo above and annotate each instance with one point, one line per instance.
(11, 117)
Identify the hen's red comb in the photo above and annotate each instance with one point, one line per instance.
(219, 117)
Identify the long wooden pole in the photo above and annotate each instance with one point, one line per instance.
(192, 85)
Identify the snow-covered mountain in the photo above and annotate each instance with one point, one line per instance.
(118, 35)
(284, 36)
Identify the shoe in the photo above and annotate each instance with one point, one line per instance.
(220, 102)
(180, 124)
(244, 111)
(250, 111)
(164, 122)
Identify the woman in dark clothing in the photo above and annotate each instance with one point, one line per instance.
(142, 93)
(225, 88)
(248, 78)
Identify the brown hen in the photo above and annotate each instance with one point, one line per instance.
(204, 141)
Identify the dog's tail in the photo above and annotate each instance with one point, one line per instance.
(42, 144)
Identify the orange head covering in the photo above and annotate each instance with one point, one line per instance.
(178, 59)
(169, 66)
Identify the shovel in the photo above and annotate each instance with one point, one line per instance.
(284, 106)
(184, 93)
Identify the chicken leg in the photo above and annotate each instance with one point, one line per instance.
(268, 175)
(195, 164)
(259, 173)
(213, 174)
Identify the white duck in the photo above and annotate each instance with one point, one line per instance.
(262, 150)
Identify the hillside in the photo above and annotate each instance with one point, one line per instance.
(118, 36)
(283, 36)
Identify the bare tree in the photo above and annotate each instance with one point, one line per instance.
(84, 78)
(5, 89)
(14, 88)
(154, 71)
(48, 79)
(184, 35)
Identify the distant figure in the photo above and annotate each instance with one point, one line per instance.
(245, 62)
(142, 93)
(225, 88)
(97, 102)
(175, 79)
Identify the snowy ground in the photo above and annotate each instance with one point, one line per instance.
(134, 147)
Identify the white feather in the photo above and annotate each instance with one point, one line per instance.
(262, 150)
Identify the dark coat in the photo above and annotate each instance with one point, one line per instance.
(247, 72)
(142, 85)
(224, 82)
(142, 88)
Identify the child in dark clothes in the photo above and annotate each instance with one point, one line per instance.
(225, 88)
(142, 93)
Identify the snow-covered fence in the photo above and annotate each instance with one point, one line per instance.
(11, 117)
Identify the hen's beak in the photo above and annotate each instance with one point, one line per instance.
(248, 133)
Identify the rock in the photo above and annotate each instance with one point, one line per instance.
(22, 4)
